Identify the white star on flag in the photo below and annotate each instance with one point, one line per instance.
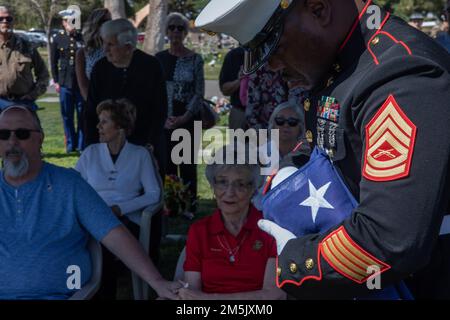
(316, 199)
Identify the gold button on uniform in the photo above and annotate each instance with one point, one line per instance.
(337, 67)
(278, 272)
(285, 4)
(309, 264)
(293, 267)
(330, 82)
(309, 136)
(375, 41)
(307, 105)
(330, 153)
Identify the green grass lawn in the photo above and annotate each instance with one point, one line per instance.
(54, 152)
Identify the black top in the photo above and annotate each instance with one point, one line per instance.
(62, 56)
(232, 64)
(143, 84)
(384, 117)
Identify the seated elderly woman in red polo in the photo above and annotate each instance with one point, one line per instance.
(227, 255)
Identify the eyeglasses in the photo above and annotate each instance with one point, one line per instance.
(21, 134)
(179, 28)
(222, 185)
(6, 19)
(292, 122)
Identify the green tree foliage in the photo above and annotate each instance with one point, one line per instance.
(404, 8)
(28, 17)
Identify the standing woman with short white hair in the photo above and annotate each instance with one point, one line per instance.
(185, 82)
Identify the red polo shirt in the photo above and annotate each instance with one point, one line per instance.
(208, 252)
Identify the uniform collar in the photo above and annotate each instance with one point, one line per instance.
(217, 226)
(355, 44)
(359, 36)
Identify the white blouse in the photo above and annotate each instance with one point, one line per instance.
(130, 183)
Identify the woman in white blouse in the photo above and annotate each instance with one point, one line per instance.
(122, 173)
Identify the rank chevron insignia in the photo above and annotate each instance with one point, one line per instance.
(390, 138)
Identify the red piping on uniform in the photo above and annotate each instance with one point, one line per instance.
(298, 284)
(297, 146)
(390, 36)
(355, 25)
(268, 183)
(361, 250)
(396, 41)
(373, 36)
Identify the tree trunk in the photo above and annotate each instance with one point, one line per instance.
(155, 29)
(116, 7)
(46, 20)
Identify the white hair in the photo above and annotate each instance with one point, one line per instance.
(240, 162)
(176, 16)
(121, 29)
(282, 106)
(4, 9)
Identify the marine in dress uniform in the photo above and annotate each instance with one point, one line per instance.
(382, 117)
(63, 50)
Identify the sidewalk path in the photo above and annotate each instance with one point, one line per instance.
(211, 89)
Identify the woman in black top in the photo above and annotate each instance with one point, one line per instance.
(185, 84)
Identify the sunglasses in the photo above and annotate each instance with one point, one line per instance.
(240, 186)
(292, 122)
(21, 134)
(179, 28)
(6, 19)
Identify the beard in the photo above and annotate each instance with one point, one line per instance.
(15, 169)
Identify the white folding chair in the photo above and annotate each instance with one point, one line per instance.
(92, 286)
(179, 271)
(140, 287)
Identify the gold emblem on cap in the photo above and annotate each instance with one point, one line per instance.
(278, 272)
(309, 136)
(293, 268)
(210, 33)
(337, 67)
(330, 81)
(375, 41)
(285, 4)
(330, 153)
(307, 105)
(309, 264)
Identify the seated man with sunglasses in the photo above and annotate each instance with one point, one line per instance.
(46, 216)
(18, 61)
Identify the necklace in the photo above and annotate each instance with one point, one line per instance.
(226, 246)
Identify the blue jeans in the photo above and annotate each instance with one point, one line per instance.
(71, 100)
